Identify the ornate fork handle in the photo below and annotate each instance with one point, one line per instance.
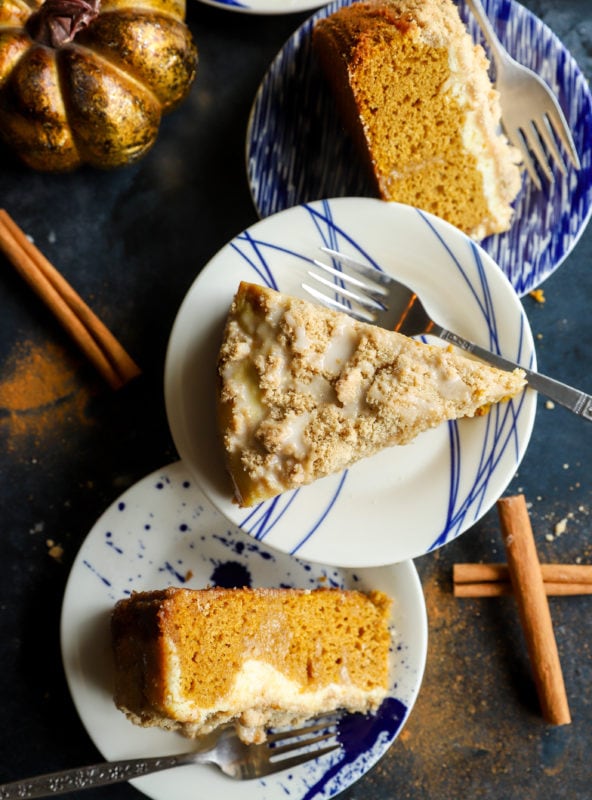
(70, 780)
(578, 402)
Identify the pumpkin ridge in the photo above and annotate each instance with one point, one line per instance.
(102, 139)
(28, 104)
(147, 9)
(174, 44)
(63, 95)
(8, 66)
(101, 58)
(176, 10)
(28, 6)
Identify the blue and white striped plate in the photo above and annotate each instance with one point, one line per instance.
(404, 501)
(266, 6)
(164, 532)
(296, 150)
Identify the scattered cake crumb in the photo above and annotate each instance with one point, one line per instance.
(561, 527)
(55, 550)
(538, 295)
(549, 404)
(37, 527)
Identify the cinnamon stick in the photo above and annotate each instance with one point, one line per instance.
(90, 334)
(492, 580)
(501, 588)
(533, 607)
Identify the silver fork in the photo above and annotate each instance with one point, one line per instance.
(380, 299)
(531, 115)
(283, 750)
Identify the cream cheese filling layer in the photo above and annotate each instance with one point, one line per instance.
(258, 688)
(481, 132)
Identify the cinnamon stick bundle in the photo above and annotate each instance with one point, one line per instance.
(92, 337)
(527, 583)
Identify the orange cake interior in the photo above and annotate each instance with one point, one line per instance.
(192, 660)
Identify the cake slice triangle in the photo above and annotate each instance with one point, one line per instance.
(304, 391)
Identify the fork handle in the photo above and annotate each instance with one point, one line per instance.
(573, 399)
(88, 777)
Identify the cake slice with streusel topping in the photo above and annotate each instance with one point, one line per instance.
(305, 391)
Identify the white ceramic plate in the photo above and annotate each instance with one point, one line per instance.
(407, 500)
(266, 6)
(164, 532)
(297, 151)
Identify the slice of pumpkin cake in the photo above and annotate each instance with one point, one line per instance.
(305, 391)
(414, 92)
(192, 660)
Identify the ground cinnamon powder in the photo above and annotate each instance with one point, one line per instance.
(40, 394)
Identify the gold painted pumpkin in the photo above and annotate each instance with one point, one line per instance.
(87, 81)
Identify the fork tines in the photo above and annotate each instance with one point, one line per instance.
(290, 747)
(539, 138)
(530, 140)
(370, 273)
(368, 291)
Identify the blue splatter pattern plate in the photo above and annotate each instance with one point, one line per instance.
(405, 501)
(164, 532)
(297, 152)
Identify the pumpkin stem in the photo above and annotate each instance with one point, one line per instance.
(58, 21)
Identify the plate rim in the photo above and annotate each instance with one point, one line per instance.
(253, 8)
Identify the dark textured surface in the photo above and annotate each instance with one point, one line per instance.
(132, 242)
